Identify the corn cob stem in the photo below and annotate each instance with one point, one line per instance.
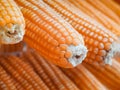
(11, 22)
(99, 40)
(46, 31)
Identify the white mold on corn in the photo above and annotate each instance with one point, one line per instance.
(79, 53)
(115, 48)
(11, 35)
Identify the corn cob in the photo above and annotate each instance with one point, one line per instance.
(16, 76)
(97, 15)
(78, 5)
(31, 77)
(39, 70)
(112, 5)
(10, 79)
(104, 9)
(108, 75)
(65, 80)
(47, 31)
(12, 23)
(82, 6)
(52, 76)
(5, 81)
(99, 40)
(17, 85)
(23, 73)
(84, 77)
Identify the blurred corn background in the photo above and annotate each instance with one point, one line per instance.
(24, 67)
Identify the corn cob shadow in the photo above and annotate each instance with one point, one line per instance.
(13, 49)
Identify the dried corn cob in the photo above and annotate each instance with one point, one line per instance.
(17, 85)
(108, 75)
(112, 5)
(39, 70)
(51, 35)
(23, 73)
(12, 23)
(81, 4)
(104, 9)
(52, 76)
(5, 81)
(16, 76)
(30, 76)
(10, 79)
(97, 15)
(99, 40)
(84, 79)
(64, 79)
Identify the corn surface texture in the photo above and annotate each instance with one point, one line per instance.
(98, 39)
(51, 35)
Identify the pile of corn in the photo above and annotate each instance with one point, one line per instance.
(38, 36)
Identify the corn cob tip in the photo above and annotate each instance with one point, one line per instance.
(12, 34)
(78, 54)
(115, 49)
